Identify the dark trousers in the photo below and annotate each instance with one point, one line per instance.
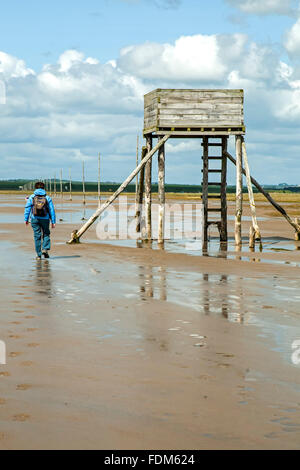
(41, 233)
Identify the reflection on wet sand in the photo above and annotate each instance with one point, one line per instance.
(213, 294)
(148, 285)
(43, 278)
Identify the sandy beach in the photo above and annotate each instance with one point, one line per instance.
(121, 345)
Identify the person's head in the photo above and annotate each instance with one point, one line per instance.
(39, 185)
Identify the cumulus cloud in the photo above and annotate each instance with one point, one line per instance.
(198, 58)
(292, 40)
(2, 92)
(78, 106)
(191, 58)
(11, 67)
(265, 7)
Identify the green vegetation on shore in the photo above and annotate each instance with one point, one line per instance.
(107, 187)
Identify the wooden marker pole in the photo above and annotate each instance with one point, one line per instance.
(99, 181)
(161, 193)
(239, 191)
(83, 183)
(61, 185)
(54, 184)
(70, 184)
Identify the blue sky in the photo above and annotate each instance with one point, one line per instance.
(75, 73)
(37, 31)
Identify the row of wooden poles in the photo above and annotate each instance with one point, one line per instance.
(51, 184)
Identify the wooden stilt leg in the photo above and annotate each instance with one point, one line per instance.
(140, 194)
(239, 192)
(251, 237)
(257, 235)
(161, 194)
(148, 192)
(205, 189)
(297, 234)
(223, 229)
(268, 197)
(137, 176)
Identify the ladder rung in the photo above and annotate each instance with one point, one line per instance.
(210, 209)
(213, 171)
(216, 222)
(211, 196)
(214, 184)
(213, 144)
(213, 158)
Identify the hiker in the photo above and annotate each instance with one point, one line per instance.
(39, 207)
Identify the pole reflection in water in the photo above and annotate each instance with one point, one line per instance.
(223, 250)
(153, 282)
(206, 294)
(43, 279)
(223, 281)
(217, 297)
(236, 313)
(84, 213)
(162, 283)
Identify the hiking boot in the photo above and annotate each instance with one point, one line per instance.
(45, 254)
(38, 257)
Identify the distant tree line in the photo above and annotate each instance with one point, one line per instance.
(15, 185)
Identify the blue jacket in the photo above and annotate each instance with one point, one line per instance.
(29, 207)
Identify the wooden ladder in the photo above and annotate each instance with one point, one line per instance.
(221, 223)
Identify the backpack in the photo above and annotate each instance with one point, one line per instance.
(40, 206)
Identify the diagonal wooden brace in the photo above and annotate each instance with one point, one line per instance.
(275, 204)
(76, 234)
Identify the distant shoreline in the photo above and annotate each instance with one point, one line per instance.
(279, 196)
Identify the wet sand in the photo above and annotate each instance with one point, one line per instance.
(114, 346)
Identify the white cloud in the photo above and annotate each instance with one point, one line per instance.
(11, 67)
(190, 58)
(265, 7)
(77, 107)
(2, 92)
(199, 58)
(292, 40)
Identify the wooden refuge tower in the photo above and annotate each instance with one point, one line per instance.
(212, 116)
(209, 115)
